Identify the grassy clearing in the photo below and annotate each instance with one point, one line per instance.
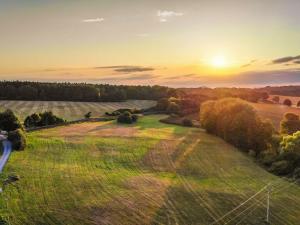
(147, 173)
(71, 110)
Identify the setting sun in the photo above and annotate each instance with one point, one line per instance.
(219, 61)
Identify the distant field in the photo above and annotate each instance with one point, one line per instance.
(147, 173)
(71, 110)
(274, 112)
(294, 99)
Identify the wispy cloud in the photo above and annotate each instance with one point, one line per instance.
(127, 69)
(165, 15)
(93, 20)
(288, 59)
(249, 64)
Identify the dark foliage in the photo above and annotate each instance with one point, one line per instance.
(42, 119)
(236, 122)
(17, 90)
(287, 102)
(127, 117)
(120, 111)
(88, 115)
(290, 124)
(187, 123)
(18, 139)
(9, 121)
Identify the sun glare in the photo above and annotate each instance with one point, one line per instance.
(219, 61)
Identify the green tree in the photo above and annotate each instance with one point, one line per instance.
(287, 102)
(18, 139)
(290, 124)
(9, 121)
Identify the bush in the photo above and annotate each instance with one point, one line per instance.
(120, 111)
(18, 139)
(187, 123)
(42, 119)
(9, 121)
(290, 124)
(32, 120)
(298, 104)
(173, 108)
(127, 117)
(291, 143)
(88, 115)
(236, 122)
(287, 102)
(281, 168)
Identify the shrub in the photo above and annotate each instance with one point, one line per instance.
(127, 117)
(9, 121)
(173, 108)
(281, 168)
(18, 139)
(88, 115)
(298, 104)
(287, 102)
(291, 143)
(32, 120)
(187, 123)
(236, 122)
(290, 124)
(42, 119)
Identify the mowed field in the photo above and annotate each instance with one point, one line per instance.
(294, 99)
(71, 110)
(274, 112)
(147, 173)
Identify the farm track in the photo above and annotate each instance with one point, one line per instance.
(71, 110)
(161, 174)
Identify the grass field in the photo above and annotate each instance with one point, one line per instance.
(147, 173)
(274, 112)
(71, 110)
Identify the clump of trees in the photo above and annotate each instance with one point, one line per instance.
(127, 117)
(9, 121)
(42, 119)
(18, 139)
(121, 111)
(287, 102)
(290, 124)
(236, 122)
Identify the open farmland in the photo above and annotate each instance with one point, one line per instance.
(274, 112)
(294, 99)
(71, 110)
(147, 173)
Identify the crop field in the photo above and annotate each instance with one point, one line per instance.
(71, 110)
(294, 99)
(147, 173)
(274, 112)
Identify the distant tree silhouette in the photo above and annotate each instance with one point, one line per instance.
(287, 102)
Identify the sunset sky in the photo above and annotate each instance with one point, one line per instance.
(180, 43)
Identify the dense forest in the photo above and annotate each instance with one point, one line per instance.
(17, 90)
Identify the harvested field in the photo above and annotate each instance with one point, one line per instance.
(146, 173)
(71, 110)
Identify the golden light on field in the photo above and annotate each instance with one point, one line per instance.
(219, 61)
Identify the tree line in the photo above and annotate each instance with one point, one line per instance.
(37, 91)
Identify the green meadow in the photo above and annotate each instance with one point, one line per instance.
(146, 173)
